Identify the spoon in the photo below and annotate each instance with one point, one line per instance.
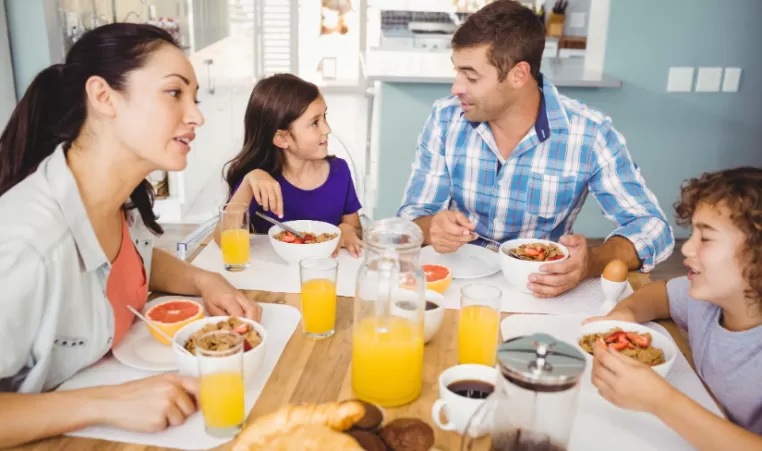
(497, 243)
(159, 331)
(279, 224)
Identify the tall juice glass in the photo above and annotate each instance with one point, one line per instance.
(221, 380)
(318, 287)
(478, 327)
(387, 334)
(234, 236)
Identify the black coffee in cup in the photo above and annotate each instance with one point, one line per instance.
(470, 388)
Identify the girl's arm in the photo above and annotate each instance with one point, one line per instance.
(703, 429)
(351, 235)
(351, 222)
(649, 303)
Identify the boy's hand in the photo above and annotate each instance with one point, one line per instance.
(627, 383)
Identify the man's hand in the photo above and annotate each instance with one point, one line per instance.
(450, 230)
(566, 275)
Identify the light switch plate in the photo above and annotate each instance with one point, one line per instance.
(709, 79)
(732, 80)
(680, 79)
(577, 20)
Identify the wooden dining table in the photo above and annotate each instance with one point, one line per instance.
(316, 371)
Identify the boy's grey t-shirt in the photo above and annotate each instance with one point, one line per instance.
(729, 363)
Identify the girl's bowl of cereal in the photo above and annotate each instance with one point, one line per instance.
(189, 337)
(634, 340)
(320, 240)
(523, 256)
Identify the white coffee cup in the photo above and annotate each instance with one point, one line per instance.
(459, 409)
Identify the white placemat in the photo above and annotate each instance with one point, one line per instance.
(280, 321)
(268, 272)
(600, 424)
(586, 299)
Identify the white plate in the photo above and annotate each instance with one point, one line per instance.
(468, 262)
(138, 349)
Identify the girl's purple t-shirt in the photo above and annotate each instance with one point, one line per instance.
(327, 203)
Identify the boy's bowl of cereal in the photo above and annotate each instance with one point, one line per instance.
(634, 340)
(320, 240)
(255, 341)
(523, 256)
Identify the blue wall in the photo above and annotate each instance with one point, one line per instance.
(28, 33)
(672, 136)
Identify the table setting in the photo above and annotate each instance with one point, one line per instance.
(426, 342)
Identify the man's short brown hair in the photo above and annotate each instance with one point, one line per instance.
(514, 34)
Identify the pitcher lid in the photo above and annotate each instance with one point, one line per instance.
(540, 362)
(394, 233)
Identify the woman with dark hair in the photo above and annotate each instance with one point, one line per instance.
(284, 167)
(76, 230)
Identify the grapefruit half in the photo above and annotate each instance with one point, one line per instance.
(171, 316)
(438, 277)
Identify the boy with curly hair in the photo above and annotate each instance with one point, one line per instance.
(719, 304)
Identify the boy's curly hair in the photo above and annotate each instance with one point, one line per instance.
(740, 190)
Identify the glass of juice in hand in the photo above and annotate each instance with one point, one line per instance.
(221, 373)
(479, 324)
(234, 236)
(318, 277)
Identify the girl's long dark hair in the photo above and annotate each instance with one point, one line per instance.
(53, 109)
(274, 104)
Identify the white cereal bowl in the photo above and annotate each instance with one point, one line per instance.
(517, 271)
(658, 340)
(252, 359)
(293, 253)
(432, 319)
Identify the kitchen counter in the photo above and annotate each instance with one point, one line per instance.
(435, 67)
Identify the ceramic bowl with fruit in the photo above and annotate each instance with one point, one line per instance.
(524, 256)
(254, 343)
(320, 240)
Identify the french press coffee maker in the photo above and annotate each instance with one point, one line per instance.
(535, 403)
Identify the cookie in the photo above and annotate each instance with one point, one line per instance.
(370, 441)
(408, 434)
(372, 419)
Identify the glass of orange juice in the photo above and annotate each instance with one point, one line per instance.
(234, 235)
(478, 327)
(221, 380)
(318, 277)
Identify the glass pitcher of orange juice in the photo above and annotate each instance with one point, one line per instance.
(387, 334)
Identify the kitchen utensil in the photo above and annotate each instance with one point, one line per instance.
(279, 224)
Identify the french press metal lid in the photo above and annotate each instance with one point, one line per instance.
(541, 363)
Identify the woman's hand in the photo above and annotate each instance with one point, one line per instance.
(349, 240)
(221, 298)
(266, 191)
(627, 383)
(149, 405)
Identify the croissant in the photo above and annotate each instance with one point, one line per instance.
(338, 416)
(310, 438)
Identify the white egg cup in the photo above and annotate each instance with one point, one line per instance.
(611, 293)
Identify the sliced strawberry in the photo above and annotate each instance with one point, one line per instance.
(615, 336)
(241, 329)
(555, 257)
(619, 345)
(532, 251)
(298, 241)
(641, 340)
(541, 255)
(246, 346)
(288, 238)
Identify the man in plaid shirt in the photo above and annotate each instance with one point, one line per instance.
(506, 156)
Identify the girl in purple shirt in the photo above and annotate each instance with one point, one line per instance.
(284, 167)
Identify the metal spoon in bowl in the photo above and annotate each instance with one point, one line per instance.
(279, 224)
(496, 243)
(159, 331)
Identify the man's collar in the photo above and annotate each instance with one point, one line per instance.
(552, 116)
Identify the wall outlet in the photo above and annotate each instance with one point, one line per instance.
(709, 79)
(732, 80)
(680, 79)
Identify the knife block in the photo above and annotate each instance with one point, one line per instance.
(555, 27)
